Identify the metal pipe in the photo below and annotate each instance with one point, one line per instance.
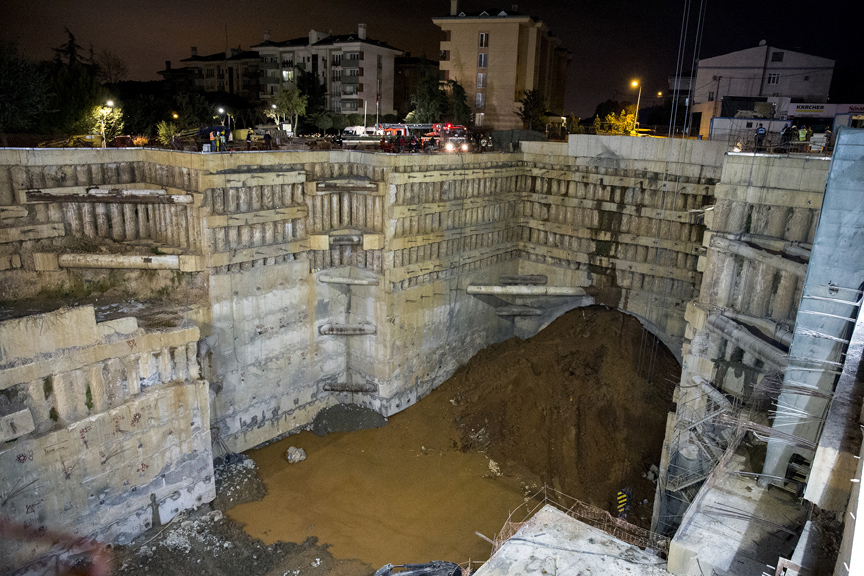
(742, 249)
(742, 338)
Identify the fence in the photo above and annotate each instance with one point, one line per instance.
(591, 515)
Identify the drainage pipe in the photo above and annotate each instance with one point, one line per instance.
(741, 337)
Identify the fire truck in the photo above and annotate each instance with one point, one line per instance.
(452, 138)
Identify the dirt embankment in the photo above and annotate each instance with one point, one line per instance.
(569, 407)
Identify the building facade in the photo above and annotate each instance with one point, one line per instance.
(234, 71)
(496, 56)
(357, 71)
(757, 80)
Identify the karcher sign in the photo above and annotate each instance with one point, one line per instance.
(822, 110)
(811, 110)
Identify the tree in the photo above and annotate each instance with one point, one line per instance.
(193, 110)
(429, 101)
(340, 122)
(288, 103)
(73, 90)
(69, 51)
(165, 132)
(324, 122)
(309, 85)
(22, 92)
(142, 113)
(621, 123)
(532, 110)
(111, 68)
(105, 120)
(458, 110)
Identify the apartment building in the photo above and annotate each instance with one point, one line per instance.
(357, 71)
(497, 55)
(234, 71)
(763, 80)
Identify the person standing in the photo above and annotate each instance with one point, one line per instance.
(249, 140)
(268, 141)
(212, 141)
(760, 137)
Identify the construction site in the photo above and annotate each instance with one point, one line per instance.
(602, 356)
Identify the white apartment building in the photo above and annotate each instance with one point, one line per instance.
(757, 78)
(357, 71)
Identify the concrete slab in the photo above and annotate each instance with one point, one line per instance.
(552, 542)
(736, 527)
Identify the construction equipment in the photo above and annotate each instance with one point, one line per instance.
(435, 568)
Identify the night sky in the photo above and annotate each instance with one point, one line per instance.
(612, 41)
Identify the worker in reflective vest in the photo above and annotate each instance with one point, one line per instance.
(760, 137)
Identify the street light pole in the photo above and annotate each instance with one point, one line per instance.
(638, 100)
(103, 115)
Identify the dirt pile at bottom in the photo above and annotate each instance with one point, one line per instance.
(568, 406)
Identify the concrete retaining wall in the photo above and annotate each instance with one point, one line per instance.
(111, 426)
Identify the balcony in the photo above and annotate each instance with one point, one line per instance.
(349, 63)
(268, 65)
(350, 79)
(270, 80)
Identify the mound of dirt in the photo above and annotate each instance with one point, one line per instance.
(569, 407)
(346, 418)
(237, 482)
(210, 544)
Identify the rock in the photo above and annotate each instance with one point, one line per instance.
(294, 455)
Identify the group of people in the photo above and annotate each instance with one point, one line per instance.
(399, 144)
(789, 135)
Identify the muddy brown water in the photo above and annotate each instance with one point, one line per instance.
(565, 408)
(399, 494)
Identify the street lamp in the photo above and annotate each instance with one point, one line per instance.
(103, 115)
(634, 84)
(222, 111)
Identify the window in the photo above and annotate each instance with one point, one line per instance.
(478, 119)
(777, 56)
(773, 79)
(481, 80)
(380, 61)
(287, 75)
(484, 40)
(482, 60)
(710, 96)
(337, 60)
(481, 100)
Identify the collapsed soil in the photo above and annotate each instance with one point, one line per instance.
(565, 408)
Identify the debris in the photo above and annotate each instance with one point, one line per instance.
(295, 455)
